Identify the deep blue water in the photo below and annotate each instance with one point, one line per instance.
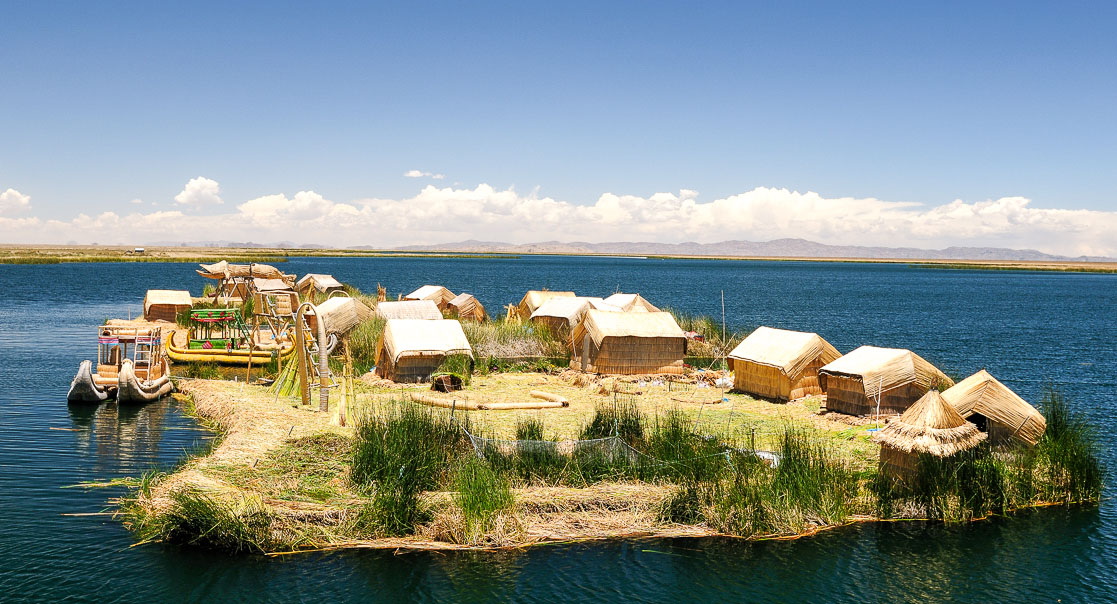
(1028, 329)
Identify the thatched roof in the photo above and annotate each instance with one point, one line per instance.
(535, 298)
(409, 309)
(631, 303)
(468, 305)
(342, 314)
(885, 369)
(440, 295)
(271, 285)
(601, 324)
(983, 394)
(322, 283)
(169, 297)
(223, 270)
(930, 426)
(788, 351)
(571, 309)
(418, 337)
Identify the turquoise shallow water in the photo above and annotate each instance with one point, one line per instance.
(1026, 328)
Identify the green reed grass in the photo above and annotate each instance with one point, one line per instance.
(480, 493)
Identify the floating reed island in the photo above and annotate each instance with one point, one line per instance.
(352, 420)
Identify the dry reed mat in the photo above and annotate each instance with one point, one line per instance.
(550, 401)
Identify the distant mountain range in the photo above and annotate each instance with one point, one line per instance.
(778, 248)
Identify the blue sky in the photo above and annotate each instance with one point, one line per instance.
(104, 104)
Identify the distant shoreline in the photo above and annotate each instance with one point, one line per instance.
(56, 254)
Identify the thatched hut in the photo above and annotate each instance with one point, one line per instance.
(535, 298)
(435, 293)
(467, 306)
(929, 427)
(410, 350)
(341, 314)
(631, 303)
(996, 410)
(165, 304)
(317, 283)
(561, 314)
(854, 382)
(628, 343)
(780, 364)
(408, 309)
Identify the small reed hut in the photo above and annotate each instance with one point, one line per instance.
(899, 377)
(274, 296)
(535, 298)
(561, 314)
(435, 293)
(628, 343)
(410, 350)
(408, 309)
(779, 364)
(341, 314)
(317, 283)
(165, 304)
(929, 427)
(631, 303)
(996, 410)
(467, 306)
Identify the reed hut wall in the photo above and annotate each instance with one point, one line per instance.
(770, 382)
(408, 368)
(847, 395)
(632, 355)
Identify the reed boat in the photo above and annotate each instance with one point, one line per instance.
(130, 367)
(226, 355)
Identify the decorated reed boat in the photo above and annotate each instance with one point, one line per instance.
(130, 367)
(219, 335)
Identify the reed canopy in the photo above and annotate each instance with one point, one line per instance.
(315, 282)
(408, 309)
(616, 342)
(467, 306)
(561, 314)
(435, 293)
(996, 410)
(165, 304)
(929, 427)
(410, 350)
(274, 296)
(631, 303)
(341, 314)
(224, 270)
(898, 377)
(535, 298)
(780, 364)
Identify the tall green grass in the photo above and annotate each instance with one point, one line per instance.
(202, 519)
(480, 493)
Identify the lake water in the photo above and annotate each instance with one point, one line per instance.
(1028, 329)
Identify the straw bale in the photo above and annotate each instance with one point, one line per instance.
(983, 399)
(165, 304)
(435, 293)
(409, 309)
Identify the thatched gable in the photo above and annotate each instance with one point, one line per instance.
(435, 293)
(319, 283)
(899, 377)
(467, 306)
(631, 303)
(996, 409)
(535, 298)
(930, 426)
(561, 314)
(165, 304)
(780, 364)
(408, 309)
(628, 343)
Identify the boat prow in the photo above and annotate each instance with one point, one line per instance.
(84, 389)
(132, 391)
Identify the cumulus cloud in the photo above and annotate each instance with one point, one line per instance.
(200, 191)
(421, 174)
(13, 203)
(439, 215)
(137, 201)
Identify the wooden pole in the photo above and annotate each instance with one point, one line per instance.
(300, 346)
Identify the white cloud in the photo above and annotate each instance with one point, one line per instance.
(200, 191)
(421, 174)
(137, 201)
(439, 215)
(13, 202)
